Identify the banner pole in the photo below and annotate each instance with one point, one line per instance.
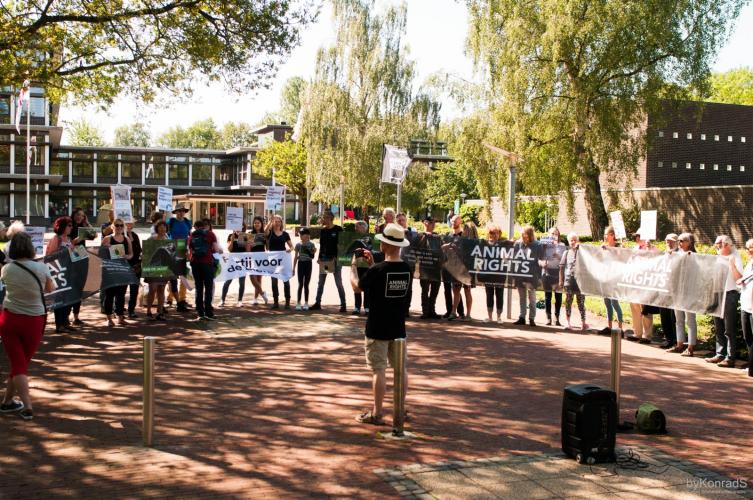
(27, 85)
(511, 226)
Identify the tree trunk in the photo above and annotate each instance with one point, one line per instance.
(597, 213)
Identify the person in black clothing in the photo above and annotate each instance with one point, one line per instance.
(387, 285)
(456, 224)
(80, 220)
(429, 288)
(328, 259)
(135, 262)
(236, 245)
(277, 241)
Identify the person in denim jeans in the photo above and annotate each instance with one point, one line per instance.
(328, 238)
(527, 290)
(202, 267)
(612, 305)
(726, 326)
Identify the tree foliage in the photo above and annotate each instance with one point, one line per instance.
(361, 97)
(288, 161)
(236, 135)
(290, 99)
(96, 49)
(202, 134)
(733, 87)
(84, 133)
(135, 134)
(446, 184)
(572, 79)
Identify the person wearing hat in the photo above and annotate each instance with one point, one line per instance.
(429, 288)
(179, 227)
(386, 285)
(666, 314)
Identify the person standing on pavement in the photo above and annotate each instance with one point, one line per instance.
(456, 225)
(667, 315)
(235, 245)
(116, 294)
(429, 288)
(62, 227)
(179, 228)
(746, 304)
(135, 263)
(570, 284)
(79, 221)
(402, 221)
(642, 318)
(726, 326)
(612, 305)
(527, 290)
(360, 298)
(305, 250)
(328, 238)
(22, 320)
(685, 241)
(278, 240)
(494, 290)
(258, 244)
(387, 285)
(551, 277)
(202, 244)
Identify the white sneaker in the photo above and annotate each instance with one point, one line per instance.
(298, 307)
(306, 306)
(239, 304)
(487, 320)
(222, 303)
(255, 302)
(499, 320)
(366, 310)
(264, 297)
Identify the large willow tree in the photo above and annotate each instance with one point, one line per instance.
(361, 97)
(574, 79)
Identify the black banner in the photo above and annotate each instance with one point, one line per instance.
(502, 263)
(117, 272)
(425, 256)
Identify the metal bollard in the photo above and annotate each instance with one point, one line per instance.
(398, 364)
(614, 379)
(148, 409)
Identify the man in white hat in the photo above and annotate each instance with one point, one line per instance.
(386, 284)
(179, 228)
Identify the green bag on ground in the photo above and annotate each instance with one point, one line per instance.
(650, 419)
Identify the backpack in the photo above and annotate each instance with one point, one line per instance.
(199, 245)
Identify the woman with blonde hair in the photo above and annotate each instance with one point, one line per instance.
(494, 290)
(612, 305)
(527, 290)
(278, 240)
(116, 294)
(470, 232)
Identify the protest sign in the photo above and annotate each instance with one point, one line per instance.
(120, 193)
(117, 272)
(123, 210)
(425, 254)
(502, 263)
(238, 265)
(619, 225)
(690, 282)
(395, 163)
(69, 277)
(648, 225)
(164, 199)
(37, 238)
(273, 199)
(163, 259)
(234, 218)
(87, 233)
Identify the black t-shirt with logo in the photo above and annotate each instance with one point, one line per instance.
(387, 285)
(328, 242)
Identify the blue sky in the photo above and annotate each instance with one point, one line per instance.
(436, 38)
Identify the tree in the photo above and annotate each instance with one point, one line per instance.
(83, 133)
(95, 49)
(733, 87)
(572, 79)
(290, 99)
(287, 160)
(235, 135)
(135, 134)
(203, 134)
(360, 98)
(446, 184)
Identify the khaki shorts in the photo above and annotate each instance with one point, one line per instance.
(379, 354)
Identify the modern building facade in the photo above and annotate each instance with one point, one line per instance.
(63, 177)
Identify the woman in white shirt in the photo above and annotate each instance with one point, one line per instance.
(746, 304)
(726, 326)
(687, 246)
(22, 320)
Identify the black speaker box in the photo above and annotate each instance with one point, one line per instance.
(589, 423)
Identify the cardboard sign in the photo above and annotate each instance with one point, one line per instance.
(619, 225)
(123, 210)
(648, 225)
(120, 193)
(164, 199)
(234, 218)
(273, 200)
(37, 238)
(87, 233)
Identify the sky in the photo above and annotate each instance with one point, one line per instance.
(436, 37)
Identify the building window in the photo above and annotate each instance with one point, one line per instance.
(742, 139)
(716, 166)
(742, 168)
(703, 137)
(107, 172)
(688, 165)
(661, 133)
(660, 164)
(716, 138)
(702, 166)
(674, 164)
(729, 168)
(690, 136)
(674, 135)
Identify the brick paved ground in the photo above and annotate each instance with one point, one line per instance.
(262, 403)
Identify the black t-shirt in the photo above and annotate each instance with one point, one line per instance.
(328, 242)
(259, 241)
(277, 243)
(237, 246)
(387, 285)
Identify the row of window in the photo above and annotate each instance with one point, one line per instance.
(701, 166)
(689, 136)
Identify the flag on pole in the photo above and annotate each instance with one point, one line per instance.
(395, 163)
(23, 96)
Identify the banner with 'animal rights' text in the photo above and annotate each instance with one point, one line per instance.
(688, 282)
(238, 265)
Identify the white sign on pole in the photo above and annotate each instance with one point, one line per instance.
(273, 200)
(395, 164)
(123, 210)
(619, 225)
(37, 238)
(234, 218)
(164, 199)
(120, 193)
(648, 225)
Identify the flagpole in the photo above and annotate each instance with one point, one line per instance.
(27, 85)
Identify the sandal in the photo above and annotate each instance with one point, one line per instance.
(369, 418)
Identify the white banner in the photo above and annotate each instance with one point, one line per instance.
(273, 200)
(619, 225)
(237, 265)
(164, 199)
(234, 218)
(395, 164)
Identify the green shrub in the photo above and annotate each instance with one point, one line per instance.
(534, 212)
(471, 213)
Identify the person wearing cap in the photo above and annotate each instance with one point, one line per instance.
(667, 315)
(386, 285)
(726, 326)
(429, 288)
(179, 227)
(328, 237)
(687, 246)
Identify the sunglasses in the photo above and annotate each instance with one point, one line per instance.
(119, 225)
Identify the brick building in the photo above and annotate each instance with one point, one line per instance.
(698, 170)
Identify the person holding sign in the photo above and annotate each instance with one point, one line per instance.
(179, 227)
(687, 246)
(116, 294)
(235, 245)
(612, 305)
(527, 290)
(157, 286)
(492, 291)
(554, 251)
(258, 244)
(567, 280)
(278, 240)
(62, 228)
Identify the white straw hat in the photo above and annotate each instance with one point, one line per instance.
(393, 234)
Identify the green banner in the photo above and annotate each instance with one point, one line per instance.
(163, 259)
